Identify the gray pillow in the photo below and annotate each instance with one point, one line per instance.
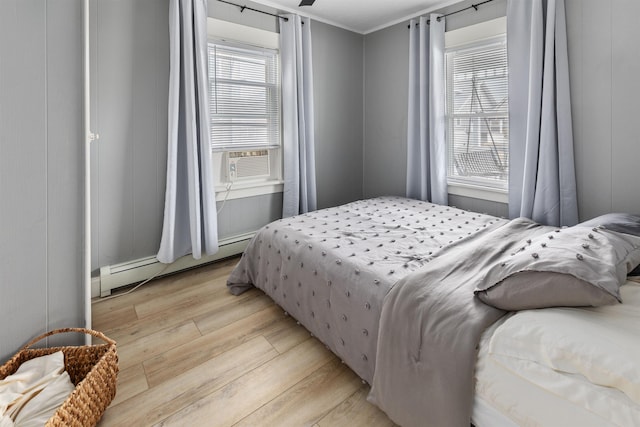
(538, 289)
(620, 222)
(576, 266)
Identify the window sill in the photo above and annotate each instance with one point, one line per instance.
(242, 189)
(477, 192)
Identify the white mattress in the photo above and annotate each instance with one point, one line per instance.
(562, 367)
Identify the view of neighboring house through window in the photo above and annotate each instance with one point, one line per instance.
(477, 113)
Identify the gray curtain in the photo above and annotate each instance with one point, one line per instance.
(542, 183)
(299, 194)
(426, 145)
(190, 220)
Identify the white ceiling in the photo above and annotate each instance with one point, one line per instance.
(361, 16)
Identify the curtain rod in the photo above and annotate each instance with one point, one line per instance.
(473, 6)
(242, 8)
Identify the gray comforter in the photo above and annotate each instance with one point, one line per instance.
(430, 328)
(332, 268)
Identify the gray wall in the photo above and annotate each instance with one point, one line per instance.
(130, 78)
(479, 205)
(130, 74)
(386, 62)
(233, 13)
(41, 169)
(386, 54)
(338, 99)
(604, 61)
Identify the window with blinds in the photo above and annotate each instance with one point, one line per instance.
(244, 97)
(477, 113)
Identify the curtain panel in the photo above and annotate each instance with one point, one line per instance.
(190, 218)
(542, 183)
(426, 144)
(299, 194)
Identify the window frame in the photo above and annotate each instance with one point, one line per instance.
(473, 37)
(242, 35)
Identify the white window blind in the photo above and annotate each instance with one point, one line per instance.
(477, 113)
(244, 97)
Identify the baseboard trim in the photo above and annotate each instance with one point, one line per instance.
(127, 273)
(95, 287)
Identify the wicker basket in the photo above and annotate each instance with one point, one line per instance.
(93, 370)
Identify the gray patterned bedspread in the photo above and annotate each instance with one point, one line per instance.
(331, 269)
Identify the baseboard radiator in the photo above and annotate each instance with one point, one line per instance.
(127, 273)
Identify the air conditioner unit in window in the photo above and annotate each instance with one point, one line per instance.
(243, 165)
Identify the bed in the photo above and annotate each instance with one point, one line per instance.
(405, 293)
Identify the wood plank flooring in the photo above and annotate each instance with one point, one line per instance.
(192, 354)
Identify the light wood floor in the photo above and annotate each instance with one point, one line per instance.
(191, 354)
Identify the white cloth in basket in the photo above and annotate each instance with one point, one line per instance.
(30, 396)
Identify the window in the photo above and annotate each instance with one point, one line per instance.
(244, 108)
(477, 113)
(244, 97)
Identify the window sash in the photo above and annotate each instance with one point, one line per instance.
(244, 98)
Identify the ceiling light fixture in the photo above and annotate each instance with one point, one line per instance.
(306, 3)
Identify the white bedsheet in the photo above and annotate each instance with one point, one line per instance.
(565, 366)
(486, 411)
